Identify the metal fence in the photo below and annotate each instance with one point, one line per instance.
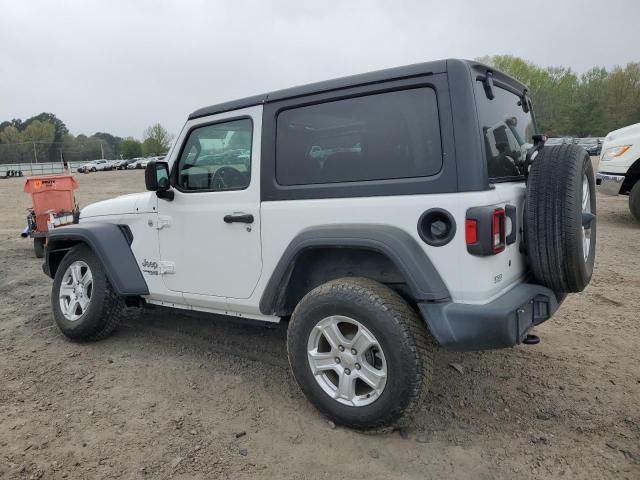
(52, 153)
(30, 169)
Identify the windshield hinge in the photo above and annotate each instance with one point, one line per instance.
(166, 267)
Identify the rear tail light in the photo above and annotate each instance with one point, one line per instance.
(498, 230)
(471, 231)
(485, 229)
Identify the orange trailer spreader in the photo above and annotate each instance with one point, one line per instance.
(53, 201)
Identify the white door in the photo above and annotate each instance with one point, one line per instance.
(212, 235)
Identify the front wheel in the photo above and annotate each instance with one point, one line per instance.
(360, 354)
(38, 246)
(85, 305)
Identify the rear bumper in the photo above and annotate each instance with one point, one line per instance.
(609, 183)
(501, 323)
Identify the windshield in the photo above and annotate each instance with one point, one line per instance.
(507, 131)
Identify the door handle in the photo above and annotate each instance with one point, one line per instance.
(239, 217)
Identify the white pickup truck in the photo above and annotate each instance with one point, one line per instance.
(619, 168)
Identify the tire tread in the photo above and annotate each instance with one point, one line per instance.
(553, 227)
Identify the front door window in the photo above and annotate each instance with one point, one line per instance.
(216, 157)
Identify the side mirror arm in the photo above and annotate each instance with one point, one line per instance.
(167, 195)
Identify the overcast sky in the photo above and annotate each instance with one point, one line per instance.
(117, 66)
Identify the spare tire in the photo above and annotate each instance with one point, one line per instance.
(560, 222)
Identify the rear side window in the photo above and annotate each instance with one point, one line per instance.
(375, 137)
(507, 132)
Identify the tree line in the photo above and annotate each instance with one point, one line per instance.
(567, 104)
(45, 138)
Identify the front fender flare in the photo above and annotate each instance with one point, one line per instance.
(111, 246)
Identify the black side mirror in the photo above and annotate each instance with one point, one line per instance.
(156, 179)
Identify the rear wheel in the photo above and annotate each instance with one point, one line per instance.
(360, 354)
(560, 223)
(634, 201)
(38, 246)
(85, 306)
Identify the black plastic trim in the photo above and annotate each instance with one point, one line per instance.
(369, 78)
(238, 218)
(229, 106)
(512, 212)
(423, 280)
(470, 163)
(504, 322)
(126, 231)
(111, 246)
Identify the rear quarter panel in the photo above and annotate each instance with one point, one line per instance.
(469, 278)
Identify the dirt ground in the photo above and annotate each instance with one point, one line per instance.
(181, 396)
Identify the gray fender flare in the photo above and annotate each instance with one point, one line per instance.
(112, 247)
(402, 249)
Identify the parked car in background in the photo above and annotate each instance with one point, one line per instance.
(558, 141)
(592, 145)
(102, 165)
(138, 163)
(122, 164)
(619, 167)
(95, 166)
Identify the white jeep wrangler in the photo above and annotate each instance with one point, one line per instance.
(434, 211)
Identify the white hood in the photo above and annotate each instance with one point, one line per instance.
(123, 205)
(619, 137)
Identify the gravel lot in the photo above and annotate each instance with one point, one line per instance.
(183, 396)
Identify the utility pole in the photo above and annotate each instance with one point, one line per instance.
(102, 151)
(35, 153)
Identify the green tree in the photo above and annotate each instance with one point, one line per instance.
(38, 131)
(156, 140)
(131, 148)
(112, 144)
(51, 153)
(10, 134)
(13, 149)
(623, 96)
(40, 135)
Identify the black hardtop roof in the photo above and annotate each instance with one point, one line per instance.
(407, 71)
